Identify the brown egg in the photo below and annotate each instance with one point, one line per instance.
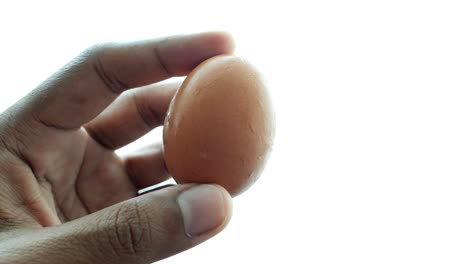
(220, 125)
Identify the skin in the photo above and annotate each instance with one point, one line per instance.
(65, 195)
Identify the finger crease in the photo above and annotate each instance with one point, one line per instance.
(75, 186)
(80, 198)
(101, 140)
(52, 125)
(161, 62)
(114, 85)
(131, 173)
(148, 116)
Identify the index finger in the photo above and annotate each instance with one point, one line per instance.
(81, 90)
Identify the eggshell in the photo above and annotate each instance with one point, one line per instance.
(220, 125)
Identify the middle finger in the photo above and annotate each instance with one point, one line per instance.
(132, 115)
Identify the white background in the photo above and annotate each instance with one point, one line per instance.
(370, 160)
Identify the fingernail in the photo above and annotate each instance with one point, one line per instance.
(203, 209)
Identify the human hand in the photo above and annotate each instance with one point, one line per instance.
(67, 197)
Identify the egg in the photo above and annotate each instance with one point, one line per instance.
(220, 125)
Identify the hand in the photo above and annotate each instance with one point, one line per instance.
(67, 197)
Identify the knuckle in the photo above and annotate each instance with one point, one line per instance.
(129, 234)
(170, 220)
(98, 57)
(96, 50)
(89, 55)
(168, 231)
(132, 233)
(136, 233)
(145, 109)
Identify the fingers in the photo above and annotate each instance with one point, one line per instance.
(132, 115)
(80, 91)
(146, 167)
(145, 229)
(106, 179)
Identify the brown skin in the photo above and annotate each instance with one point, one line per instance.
(65, 195)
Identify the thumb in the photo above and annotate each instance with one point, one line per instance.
(144, 229)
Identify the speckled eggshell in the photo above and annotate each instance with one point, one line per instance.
(220, 125)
